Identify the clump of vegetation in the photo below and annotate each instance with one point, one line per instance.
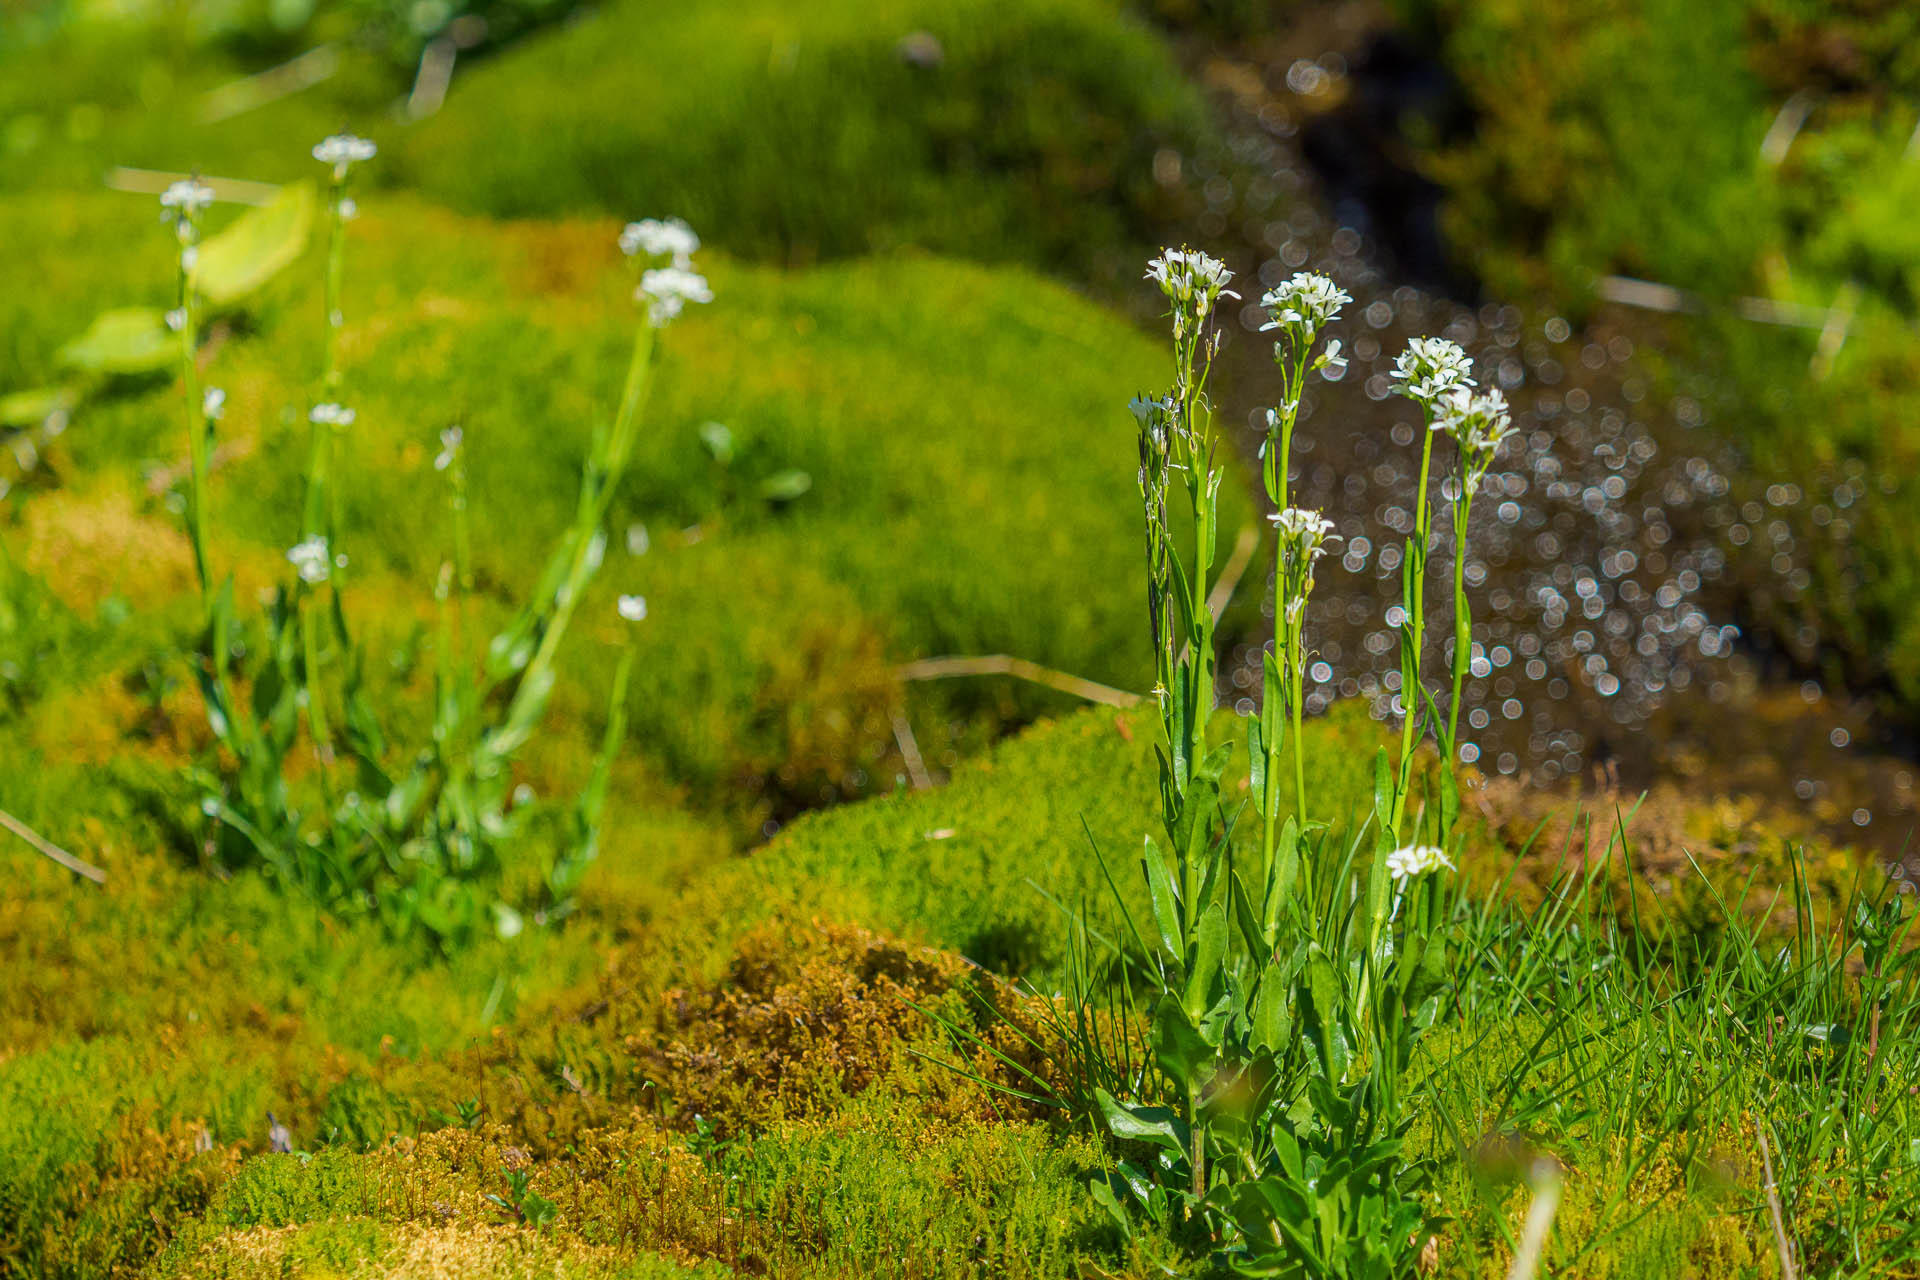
(1336, 1025)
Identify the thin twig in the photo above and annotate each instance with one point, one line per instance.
(1231, 572)
(1780, 1240)
(77, 866)
(1003, 664)
(237, 97)
(1533, 1236)
(910, 752)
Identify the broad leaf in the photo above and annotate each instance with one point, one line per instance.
(125, 340)
(255, 247)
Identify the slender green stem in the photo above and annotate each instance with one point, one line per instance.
(316, 703)
(1413, 576)
(197, 441)
(1462, 620)
(604, 470)
(1278, 469)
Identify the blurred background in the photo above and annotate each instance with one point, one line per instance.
(1678, 233)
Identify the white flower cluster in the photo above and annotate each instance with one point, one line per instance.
(1303, 305)
(1303, 533)
(1477, 421)
(450, 441)
(633, 608)
(213, 404)
(661, 238)
(186, 198)
(312, 559)
(1192, 280)
(667, 291)
(1303, 537)
(343, 151)
(1430, 368)
(1416, 860)
(332, 415)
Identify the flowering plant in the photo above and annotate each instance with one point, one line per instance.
(416, 839)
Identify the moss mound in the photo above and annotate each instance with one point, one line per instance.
(1018, 131)
(1024, 131)
(948, 422)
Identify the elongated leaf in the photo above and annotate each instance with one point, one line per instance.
(257, 246)
(1166, 901)
(1158, 1125)
(31, 408)
(125, 340)
(1210, 947)
(1257, 761)
(785, 486)
(1273, 1010)
(1178, 1046)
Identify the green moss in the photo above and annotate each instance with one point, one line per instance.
(971, 866)
(809, 134)
(784, 132)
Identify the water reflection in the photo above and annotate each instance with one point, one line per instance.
(1599, 550)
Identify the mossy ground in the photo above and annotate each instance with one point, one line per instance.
(701, 1070)
(716, 1066)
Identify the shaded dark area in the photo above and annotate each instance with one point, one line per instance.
(1360, 156)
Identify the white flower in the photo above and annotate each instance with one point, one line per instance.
(1304, 305)
(177, 319)
(1430, 368)
(666, 290)
(633, 608)
(661, 238)
(1416, 860)
(449, 448)
(343, 151)
(1190, 279)
(189, 257)
(311, 559)
(1307, 530)
(334, 415)
(1332, 360)
(1477, 421)
(348, 209)
(213, 404)
(186, 197)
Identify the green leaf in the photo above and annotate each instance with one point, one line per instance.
(718, 437)
(31, 408)
(1272, 1011)
(785, 486)
(1322, 984)
(124, 340)
(1166, 901)
(1210, 947)
(1382, 794)
(1178, 1046)
(1256, 761)
(1286, 869)
(1158, 1125)
(1103, 1196)
(256, 246)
